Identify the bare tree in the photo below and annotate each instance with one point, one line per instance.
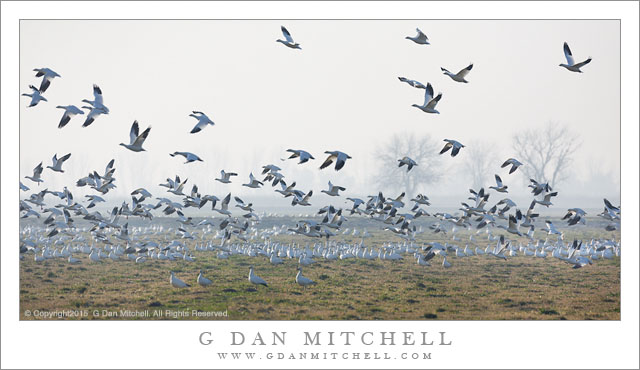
(424, 150)
(546, 153)
(481, 163)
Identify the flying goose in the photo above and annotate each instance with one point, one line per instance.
(57, 163)
(23, 187)
(537, 188)
(225, 177)
(414, 83)
(98, 100)
(177, 282)
(421, 199)
(570, 63)
(458, 77)
(242, 205)
(136, 140)
(253, 182)
(514, 164)
(333, 190)
(203, 281)
(288, 39)
(255, 279)
(303, 281)
(35, 96)
(303, 155)
(454, 145)
(420, 38)
(407, 161)
(300, 198)
(69, 111)
(47, 75)
(499, 249)
(547, 199)
(513, 226)
(203, 121)
(500, 188)
(190, 157)
(94, 112)
(429, 105)
(337, 156)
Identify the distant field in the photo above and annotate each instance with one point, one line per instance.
(474, 288)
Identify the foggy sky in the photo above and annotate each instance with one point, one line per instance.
(340, 92)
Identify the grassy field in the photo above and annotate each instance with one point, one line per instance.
(474, 288)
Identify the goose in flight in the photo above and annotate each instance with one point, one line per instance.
(420, 38)
(551, 229)
(203, 281)
(35, 96)
(571, 65)
(458, 77)
(242, 205)
(300, 198)
(537, 188)
(94, 112)
(514, 164)
(23, 187)
(429, 105)
(547, 199)
(253, 182)
(414, 83)
(513, 226)
(136, 140)
(288, 39)
(98, 100)
(190, 157)
(69, 111)
(57, 163)
(339, 157)
(47, 75)
(333, 190)
(225, 177)
(499, 249)
(177, 282)
(407, 161)
(303, 281)
(203, 121)
(500, 188)
(303, 155)
(421, 199)
(454, 145)
(224, 206)
(255, 279)
(93, 199)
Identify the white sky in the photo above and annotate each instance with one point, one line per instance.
(340, 92)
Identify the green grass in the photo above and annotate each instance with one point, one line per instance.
(474, 288)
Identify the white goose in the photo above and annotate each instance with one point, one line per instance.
(500, 188)
(203, 121)
(47, 75)
(177, 282)
(35, 96)
(410, 163)
(69, 112)
(571, 65)
(420, 38)
(429, 105)
(255, 279)
(57, 163)
(135, 139)
(303, 281)
(253, 182)
(203, 281)
(514, 164)
(226, 176)
(288, 42)
(333, 190)
(302, 154)
(454, 145)
(37, 171)
(458, 77)
(190, 157)
(339, 157)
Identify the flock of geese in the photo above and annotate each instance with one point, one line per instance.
(110, 239)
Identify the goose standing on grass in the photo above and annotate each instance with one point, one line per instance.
(225, 177)
(136, 140)
(177, 282)
(203, 281)
(420, 38)
(37, 171)
(333, 190)
(69, 111)
(203, 121)
(339, 157)
(288, 41)
(253, 182)
(445, 263)
(414, 83)
(190, 157)
(303, 281)
(458, 77)
(57, 163)
(514, 164)
(500, 188)
(454, 145)
(407, 161)
(47, 75)
(255, 279)
(303, 155)
(571, 65)
(35, 96)
(429, 105)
